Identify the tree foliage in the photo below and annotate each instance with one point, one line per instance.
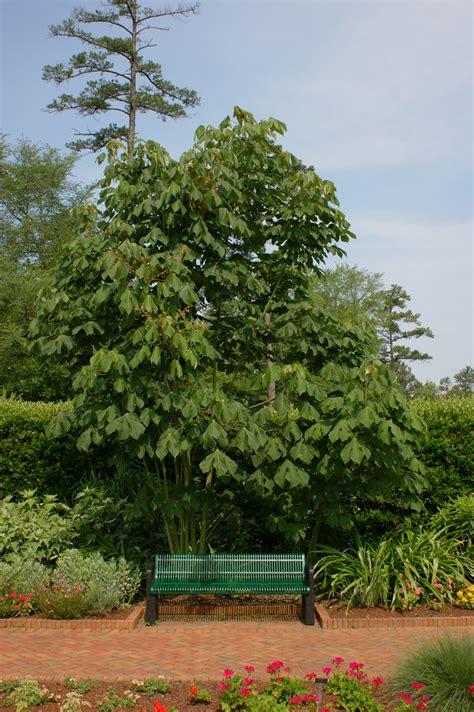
(37, 195)
(121, 79)
(164, 307)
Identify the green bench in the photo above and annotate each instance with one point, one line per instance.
(269, 574)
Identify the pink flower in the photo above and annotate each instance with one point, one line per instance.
(245, 691)
(421, 706)
(311, 675)
(408, 585)
(424, 698)
(337, 661)
(471, 689)
(249, 668)
(355, 666)
(223, 686)
(275, 665)
(13, 595)
(16, 608)
(327, 670)
(377, 681)
(417, 591)
(417, 685)
(438, 585)
(248, 681)
(228, 672)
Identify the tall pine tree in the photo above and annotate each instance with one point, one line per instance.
(122, 79)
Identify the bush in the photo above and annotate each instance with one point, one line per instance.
(107, 584)
(444, 667)
(22, 575)
(448, 453)
(418, 567)
(31, 460)
(62, 602)
(34, 529)
(457, 518)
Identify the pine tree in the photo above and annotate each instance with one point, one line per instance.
(123, 80)
(398, 324)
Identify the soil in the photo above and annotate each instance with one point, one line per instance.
(178, 697)
(336, 610)
(116, 615)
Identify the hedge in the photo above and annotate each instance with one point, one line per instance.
(30, 460)
(448, 454)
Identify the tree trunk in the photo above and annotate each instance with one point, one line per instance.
(133, 87)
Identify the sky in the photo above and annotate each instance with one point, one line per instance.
(376, 95)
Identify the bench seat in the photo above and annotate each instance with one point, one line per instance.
(265, 574)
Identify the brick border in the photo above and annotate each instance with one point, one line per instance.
(328, 623)
(128, 623)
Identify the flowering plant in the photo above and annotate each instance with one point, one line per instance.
(413, 699)
(352, 686)
(465, 597)
(15, 604)
(199, 696)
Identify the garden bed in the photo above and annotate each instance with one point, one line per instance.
(228, 607)
(119, 619)
(178, 697)
(333, 615)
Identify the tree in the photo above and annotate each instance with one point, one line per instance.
(395, 317)
(164, 307)
(127, 82)
(353, 293)
(463, 382)
(37, 195)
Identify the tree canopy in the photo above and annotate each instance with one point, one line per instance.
(122, 79)
(163, 299)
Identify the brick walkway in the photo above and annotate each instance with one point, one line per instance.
(196, 650)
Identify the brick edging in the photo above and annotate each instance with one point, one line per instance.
(328, 623)
(128, 623)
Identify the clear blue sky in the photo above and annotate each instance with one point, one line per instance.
(376, 95)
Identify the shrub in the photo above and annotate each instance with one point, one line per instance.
(457, 518)
(107, 584)
(33, 528)
(22, 575)
(448, 453)
(62, 602)
(445, 668)
(419, 567)
(31, 460)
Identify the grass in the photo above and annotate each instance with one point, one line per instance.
(446, 667)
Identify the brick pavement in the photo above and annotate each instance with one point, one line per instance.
(198, 650)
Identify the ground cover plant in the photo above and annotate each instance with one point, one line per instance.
(443, 669)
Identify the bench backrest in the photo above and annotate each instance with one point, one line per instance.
(227, 568)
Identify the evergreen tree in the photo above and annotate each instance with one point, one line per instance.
(398, 324)
(123, 80)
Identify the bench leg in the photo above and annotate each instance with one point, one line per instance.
(307, 599)
(151, 599)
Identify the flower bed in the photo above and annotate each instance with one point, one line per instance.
(339, 686)
(333, 615)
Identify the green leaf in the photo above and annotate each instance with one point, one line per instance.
(354, 451)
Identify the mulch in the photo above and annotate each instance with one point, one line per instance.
(337, 610)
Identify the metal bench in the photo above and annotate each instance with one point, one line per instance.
(269, 574)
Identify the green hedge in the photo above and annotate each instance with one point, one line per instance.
(448, 454)
(30, 460)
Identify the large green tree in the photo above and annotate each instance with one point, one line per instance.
(37, 196)
(165, 307)
(122, 79)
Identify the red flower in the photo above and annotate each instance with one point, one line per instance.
(16, 608)
(193, 691)
(327, 670)
(13, 595)
(417, 685)
(377, 681)
(158, 707)
(21, 598)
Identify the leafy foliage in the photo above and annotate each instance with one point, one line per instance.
(445, 667)
(351, 695)
(416, 567)
(106, 584)
(34, 528)
(448, 453)
(37, 196)
(198, 269)
(29, 459)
